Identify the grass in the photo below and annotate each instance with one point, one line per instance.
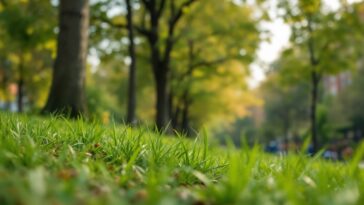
(55, 161)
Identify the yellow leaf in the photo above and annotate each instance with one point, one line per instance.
(30, 30)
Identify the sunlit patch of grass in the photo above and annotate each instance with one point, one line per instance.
(56, 161)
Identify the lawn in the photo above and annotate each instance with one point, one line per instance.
(56, 161)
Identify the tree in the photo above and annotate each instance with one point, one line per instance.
(161, 57)
(286, 109)
(67, 93)
(156, 20)
(346, 104)
(29, 28)
(345, 111)
(194, 54)
(311, 24)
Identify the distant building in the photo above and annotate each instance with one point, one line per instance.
(334, 84)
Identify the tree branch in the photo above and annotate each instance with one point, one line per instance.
(161, 8)
(140, 29)
(176, 16)
(4, 2)
(211, 62)
(146, 3)
(109, 22)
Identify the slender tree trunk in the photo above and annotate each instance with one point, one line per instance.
(314, 99)
(132, 70)
(185, 126)
(172, 108)
(20, 97)
(315, 82)
(67, 94)
(176, 118)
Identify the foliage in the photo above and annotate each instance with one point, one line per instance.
(212, 66)
(345, 111)
(28, 41)
(218, 58)
(286, 107)
(312, 24)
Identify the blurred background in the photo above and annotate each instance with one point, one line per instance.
(274, 72)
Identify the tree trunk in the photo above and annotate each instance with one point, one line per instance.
(315, 81)
(172, 108)
(160, 72)
(185, 126)
(176, 118)
(314, 99)
(20, 97)
(67, 94)
(162, 101)
(132, 69)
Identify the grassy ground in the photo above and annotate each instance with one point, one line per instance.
(55, 161)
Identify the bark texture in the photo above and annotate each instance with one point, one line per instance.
(67, 94)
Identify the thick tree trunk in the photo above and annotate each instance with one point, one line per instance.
(67, 94)
(162, 101)
(132, 69)
(155, 58)
(160, 71)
